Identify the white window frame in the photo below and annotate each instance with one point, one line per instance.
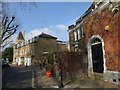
(75, 35)
(79, 34)
(82, 31)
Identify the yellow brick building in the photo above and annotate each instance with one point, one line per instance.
(31, 51)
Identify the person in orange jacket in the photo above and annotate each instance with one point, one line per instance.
(48, 74)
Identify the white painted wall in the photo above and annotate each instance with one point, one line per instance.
(29, 62)
(25, 61)
(19, 61)
(16, 61)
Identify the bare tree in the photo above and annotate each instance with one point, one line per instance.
(7, 25)
(8, 28)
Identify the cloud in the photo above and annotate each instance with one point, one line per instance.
(54, 30)
(36, 32)
(61, 27)
(29, 35)
(60, 31)
(58, 27)
(51, 30)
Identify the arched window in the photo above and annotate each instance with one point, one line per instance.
(95, 41)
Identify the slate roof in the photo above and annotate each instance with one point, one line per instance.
(43, 35)
(20, 36)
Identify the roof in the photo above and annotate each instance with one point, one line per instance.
(43, 35)
(20, 36)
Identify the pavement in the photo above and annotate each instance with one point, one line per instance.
(44, 82)
(77, 82)
(17, 77)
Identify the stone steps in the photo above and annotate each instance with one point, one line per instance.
(98, 76)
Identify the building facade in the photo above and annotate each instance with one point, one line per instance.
(33, 51)
(97, 32)
(62, 46)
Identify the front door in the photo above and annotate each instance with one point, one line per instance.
(97, 58)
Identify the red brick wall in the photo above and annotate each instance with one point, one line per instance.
(95, 26)
(72, 64)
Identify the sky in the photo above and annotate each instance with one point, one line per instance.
(49, 17)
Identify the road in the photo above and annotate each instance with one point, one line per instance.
(17, 77)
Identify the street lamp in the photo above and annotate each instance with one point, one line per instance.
(60, 71)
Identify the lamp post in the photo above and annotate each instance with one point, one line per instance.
(60, 79)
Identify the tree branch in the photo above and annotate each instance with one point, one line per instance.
(9, 35)
(7, 28)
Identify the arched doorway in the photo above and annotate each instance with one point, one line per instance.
(97, 55)
(96, 59)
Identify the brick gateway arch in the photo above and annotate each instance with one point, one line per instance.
(96, 53)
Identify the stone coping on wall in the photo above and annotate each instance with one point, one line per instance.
(112, 76)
